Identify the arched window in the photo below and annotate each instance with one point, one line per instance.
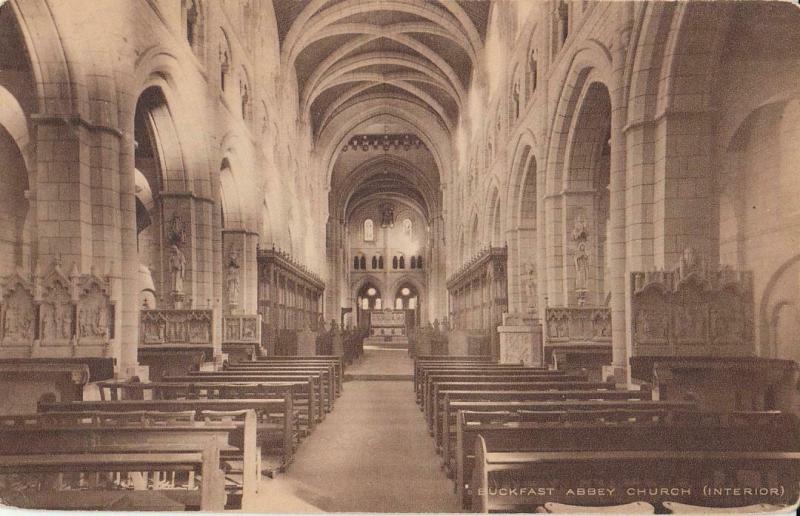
(419, 262)
(355, 262)
(224, 60)
(398, 304)
(378, 303)
(413, 262)
(365, 304)
(364, 262)
(402, 262)
(369, 231)
(374, 262)
(394, 262)
(380, 262)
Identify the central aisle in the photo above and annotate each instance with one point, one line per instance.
(371, 454)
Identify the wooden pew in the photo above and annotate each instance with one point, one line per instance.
(320, 393)
(59, 448)
(304, 403)
(233, 432)
(427, 374)
(336, 360)
(422, 363)
(326, 371)
(328, 366)
(668, 433)
(446, 440)
(274, 437)
(513, 423)
(201, 464)
(422, 372)
(432, 401)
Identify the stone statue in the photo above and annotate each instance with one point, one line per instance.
(232, 279)
(387, 216)
(688, 262)
(530, 285)
(177, 266)
(581, 267)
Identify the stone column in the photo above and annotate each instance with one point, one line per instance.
(618, 286)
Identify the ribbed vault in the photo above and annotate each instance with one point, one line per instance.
(420, 51)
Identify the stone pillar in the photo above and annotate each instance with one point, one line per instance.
(521, 340)
(128, 307)
(617, 242)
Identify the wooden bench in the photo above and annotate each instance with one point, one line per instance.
(424, 372)
(233, 432)
(668, 432)
(548, 476)
(431, 377)
(54, 448)
(326, 371)
(434, 406)
(315, 379)
(335, 362)
(200, 464)
(420, 364)
(304, 404)
(449, 397)
(275, 437)
(427, 375)
(518, 425)
(446, 445)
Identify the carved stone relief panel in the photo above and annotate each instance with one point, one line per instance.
(176, 327)
(56, 314)
(18, 314)
(95, 315)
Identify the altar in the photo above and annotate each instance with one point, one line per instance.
(387, 328)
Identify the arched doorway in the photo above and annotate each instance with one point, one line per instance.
(407, 298)
(368, 298)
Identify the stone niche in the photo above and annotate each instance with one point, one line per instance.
(692, 338)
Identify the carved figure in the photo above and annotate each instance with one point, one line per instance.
(177, 266)
(387, 216)
(581, 267)
(530, 285)
(233, 276)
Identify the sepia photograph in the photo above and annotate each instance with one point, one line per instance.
(400, 256)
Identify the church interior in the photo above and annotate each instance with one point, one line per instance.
(400, 255)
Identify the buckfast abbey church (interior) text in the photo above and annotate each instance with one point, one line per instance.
(400, 255)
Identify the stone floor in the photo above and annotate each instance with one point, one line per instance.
(371, 454)
(381, 363)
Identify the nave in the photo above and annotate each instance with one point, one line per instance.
(227, 227)
(372, 455)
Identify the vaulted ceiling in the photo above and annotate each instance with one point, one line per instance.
(349, 51)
